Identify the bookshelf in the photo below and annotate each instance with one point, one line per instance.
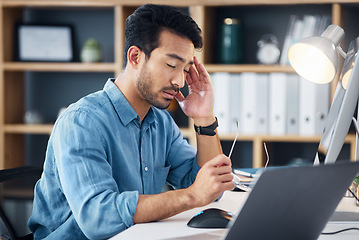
(13, 74)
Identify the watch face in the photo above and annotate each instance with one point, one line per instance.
(268, 53)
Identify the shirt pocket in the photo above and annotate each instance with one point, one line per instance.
(160, 176)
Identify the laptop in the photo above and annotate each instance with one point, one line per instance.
(293, 203)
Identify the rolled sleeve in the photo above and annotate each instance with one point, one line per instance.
(127, 207)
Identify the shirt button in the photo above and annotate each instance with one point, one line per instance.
(146, 169)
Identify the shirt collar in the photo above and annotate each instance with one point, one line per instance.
(123, 108)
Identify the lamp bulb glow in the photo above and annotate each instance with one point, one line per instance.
(311, 63)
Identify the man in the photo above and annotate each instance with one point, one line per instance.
(111, 153)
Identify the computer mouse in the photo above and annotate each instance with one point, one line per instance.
(210, 218)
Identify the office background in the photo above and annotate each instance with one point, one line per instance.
(45, 87)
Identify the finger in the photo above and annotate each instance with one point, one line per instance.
(196, 75)
(193, 76)
(204, 75)
(220, 160)
(196, 62)
(223, 170)
(180, 97)
(226, 178)
(228, 186)
(203, 79)
(194, 79)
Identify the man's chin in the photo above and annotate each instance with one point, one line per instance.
(164, 105)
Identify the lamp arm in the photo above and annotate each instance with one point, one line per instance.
(341, 52)
(356, 125)
(356, 136)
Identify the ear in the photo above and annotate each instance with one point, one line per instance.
(134, 56)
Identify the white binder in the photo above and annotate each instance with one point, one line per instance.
(292, 119)
(307, 107)
(262, 103)
(235, 103)
(322, 106)
(221, 85)
(248, 99)
(277, 101)
(313, 107)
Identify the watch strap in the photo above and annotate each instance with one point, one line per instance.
(207, 130)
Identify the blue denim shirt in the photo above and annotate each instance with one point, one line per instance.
(99, 159)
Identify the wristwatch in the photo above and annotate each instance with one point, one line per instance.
(208, 130)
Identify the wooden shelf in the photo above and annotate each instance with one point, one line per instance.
(284, 138)
(26, 193)
(59, 67)
(258, 140)
(185, 3)
(110, 67)
(28, 128)
(248, 68)
(55, 3)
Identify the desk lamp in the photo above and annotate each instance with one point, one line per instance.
(310, 56)
(317, 59)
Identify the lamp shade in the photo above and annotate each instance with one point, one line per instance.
(316, 58)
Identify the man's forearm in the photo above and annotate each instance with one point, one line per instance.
(207, 146)
(212, 179)
(163, 205)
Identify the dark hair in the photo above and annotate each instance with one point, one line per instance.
(144, 26)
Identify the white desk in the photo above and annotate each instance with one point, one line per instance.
(176, 226)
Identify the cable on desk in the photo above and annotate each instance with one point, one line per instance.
(339, 231)
(356, 197)
(346, 229)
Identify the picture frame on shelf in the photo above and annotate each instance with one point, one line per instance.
(44, 43)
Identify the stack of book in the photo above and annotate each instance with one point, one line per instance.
(309, 25)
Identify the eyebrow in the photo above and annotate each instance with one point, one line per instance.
(173, 55)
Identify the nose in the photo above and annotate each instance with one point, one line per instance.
(179, 80)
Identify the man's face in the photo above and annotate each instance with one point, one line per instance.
(164, 73)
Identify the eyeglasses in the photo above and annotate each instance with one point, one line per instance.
(236, 179)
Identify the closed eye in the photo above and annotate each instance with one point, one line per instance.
(171, 66)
